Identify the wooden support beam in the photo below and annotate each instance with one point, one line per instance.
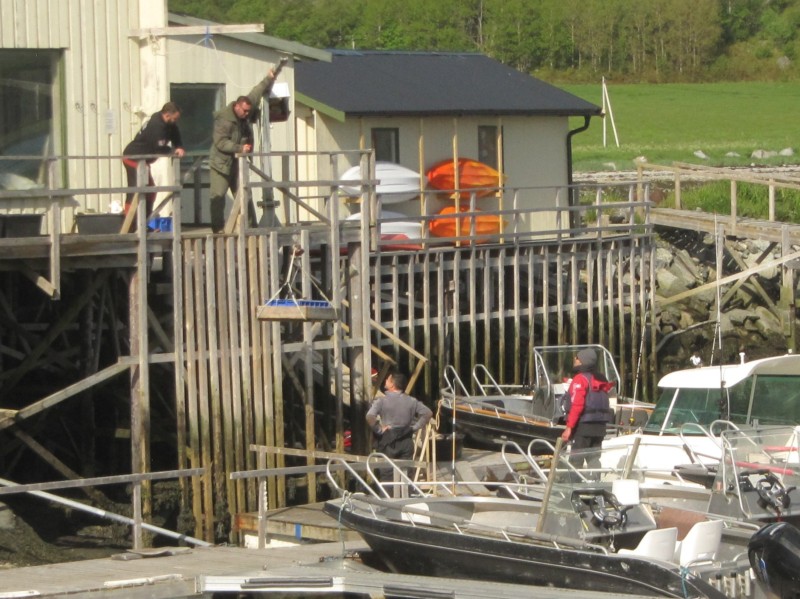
(195, 30)
(66, 320)
(39, 281)
(59, 466)
(756, 285)
(663, 301)
(55, 398)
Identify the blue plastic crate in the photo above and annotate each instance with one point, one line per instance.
(291, 309)
(161, 224)
(301, 302)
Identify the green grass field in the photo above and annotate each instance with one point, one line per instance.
(668, 123)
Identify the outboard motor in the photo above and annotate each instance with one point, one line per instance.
(774, 553)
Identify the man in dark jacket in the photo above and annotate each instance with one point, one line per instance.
(233, 134)
(394, 418)
(586, 423)
(159, 135)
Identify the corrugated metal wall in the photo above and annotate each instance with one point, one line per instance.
(99, 75)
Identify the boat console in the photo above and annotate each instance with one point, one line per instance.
(605, 517)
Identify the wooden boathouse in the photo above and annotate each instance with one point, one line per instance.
(161, 348)
(124, 349)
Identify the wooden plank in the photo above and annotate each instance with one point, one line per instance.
(335, 275)
(427, 322)
(623, 338)
(202, 274)
(225, 451)
(456, 308)
(610, 268)
(472, 306)
(308, 367)
(66, 320)
(265, 416)
(242, 391)
(516, 317)
(532, 263)
(53, 399)
(574, 295)
(663, 301)
(192, 249)
(255, 297)
(602, 337)
(278, 497)
(202, 30)
(178, 325)
(217, 353)
(296, 312)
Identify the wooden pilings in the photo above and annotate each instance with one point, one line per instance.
(255, 382)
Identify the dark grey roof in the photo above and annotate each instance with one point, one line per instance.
(362, 83)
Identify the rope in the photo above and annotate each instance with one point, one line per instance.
(684, 576)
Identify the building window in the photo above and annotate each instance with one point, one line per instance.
(29, 121)
(487, 145)
(198, 103)
(386, 143)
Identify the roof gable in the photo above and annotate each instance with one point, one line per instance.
(430, 83)
(258, 39)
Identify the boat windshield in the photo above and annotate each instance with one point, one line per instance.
(555, 364)
(763, 458)
(766, 399)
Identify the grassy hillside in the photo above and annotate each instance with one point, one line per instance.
(668, 122)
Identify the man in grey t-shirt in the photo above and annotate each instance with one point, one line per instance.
(395, 417)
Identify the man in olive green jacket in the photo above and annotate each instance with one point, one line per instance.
(233, 134)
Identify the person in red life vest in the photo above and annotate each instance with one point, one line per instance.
(159, 135)
(589, 410)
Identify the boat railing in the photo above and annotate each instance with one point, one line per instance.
(529, 459)
(696, 456)
(478, 405)
(485, 381)
(416, 515)
(453, 381)
(374, 484)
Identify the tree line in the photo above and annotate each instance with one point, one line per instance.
(577, 40)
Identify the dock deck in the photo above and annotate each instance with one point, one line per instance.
(315, 569)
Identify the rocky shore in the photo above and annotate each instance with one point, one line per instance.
(749, 320)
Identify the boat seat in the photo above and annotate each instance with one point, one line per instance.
(655, 544)
(626, 490)
(414, 517)
(701, 544)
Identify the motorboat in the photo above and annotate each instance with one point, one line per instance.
(523, 413)
(584, 539)
(595, 531)
(682, 435)
(756, 480)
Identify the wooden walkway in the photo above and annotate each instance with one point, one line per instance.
(750, 228)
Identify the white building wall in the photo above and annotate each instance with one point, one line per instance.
(534, 156)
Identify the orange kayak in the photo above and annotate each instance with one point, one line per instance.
(471, 175)
(445, 226)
